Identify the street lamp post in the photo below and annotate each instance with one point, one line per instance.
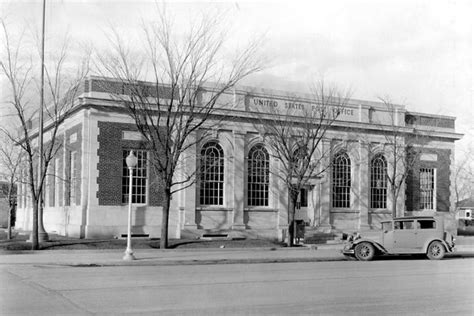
(131, 161)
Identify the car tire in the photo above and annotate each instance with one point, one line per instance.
(435, 251)
(364, 251)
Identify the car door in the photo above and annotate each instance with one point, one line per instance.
(404, 236)
(387, 230)
(426, 231)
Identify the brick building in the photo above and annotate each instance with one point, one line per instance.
(87, 186)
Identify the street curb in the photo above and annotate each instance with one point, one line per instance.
(144, 263)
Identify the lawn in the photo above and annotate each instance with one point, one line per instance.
(56, 242)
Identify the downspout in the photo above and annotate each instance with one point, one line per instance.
(86, 169)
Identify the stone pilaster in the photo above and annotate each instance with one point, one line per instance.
(188, 202)
(325, 190)
(363, 187)
(239, 180)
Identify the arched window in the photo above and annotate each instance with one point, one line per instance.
(378, 182)
(212, 174)
(341, 181)
(258, 176)
(300, 158)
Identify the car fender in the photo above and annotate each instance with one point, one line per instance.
(427, 244)
(378, 246)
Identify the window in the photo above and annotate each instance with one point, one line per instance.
(341, 181)
(426, 224)
(427, 188)
(378, 182)
(404, 225)
(302, 198)
(258, 176)
(57, 177)
(212, 175)
(71, 180)
(49, 186)
(299, 160)
(139, 178)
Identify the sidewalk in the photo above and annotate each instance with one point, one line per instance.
(147, 257)
(173, 256)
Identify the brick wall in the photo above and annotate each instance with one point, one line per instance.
(443, 183)
(426, 120)
(110, 166)
(142, 88)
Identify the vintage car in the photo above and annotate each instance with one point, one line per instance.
(404, 235)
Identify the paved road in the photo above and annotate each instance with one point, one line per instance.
(388, 286)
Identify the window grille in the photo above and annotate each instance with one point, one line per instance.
(57, 181)
(378, 182)
(341, 181)
(71, 180)
(49, 189)
(427, 188)
(258, 176)
(139, 177)
(212, 175)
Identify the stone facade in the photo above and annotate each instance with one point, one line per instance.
(84, 189)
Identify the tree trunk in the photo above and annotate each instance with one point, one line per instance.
(394, 204)
(9, 223)
(164, 221)
(10, 212)
(291, 219)
(34, 233)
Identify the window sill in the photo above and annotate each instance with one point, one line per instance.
(213, 209)
(259, 209)
(344, 210)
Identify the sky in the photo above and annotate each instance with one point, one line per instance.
(417, 52)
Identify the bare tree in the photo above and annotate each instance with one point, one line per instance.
(403, 146)
(464, 176)
(62, 86)
(187, 76)
(10, 163)
(295, 138)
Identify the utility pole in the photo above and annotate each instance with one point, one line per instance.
(42, 234)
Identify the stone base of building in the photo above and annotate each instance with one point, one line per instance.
(271, 234)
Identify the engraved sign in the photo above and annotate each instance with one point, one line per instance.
(131, 135)
(298, 108)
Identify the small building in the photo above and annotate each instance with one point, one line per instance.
(465, 209)
(87, 187)
(5, 204)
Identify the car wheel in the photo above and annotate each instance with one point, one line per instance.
(435, 251)
(364, 251)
